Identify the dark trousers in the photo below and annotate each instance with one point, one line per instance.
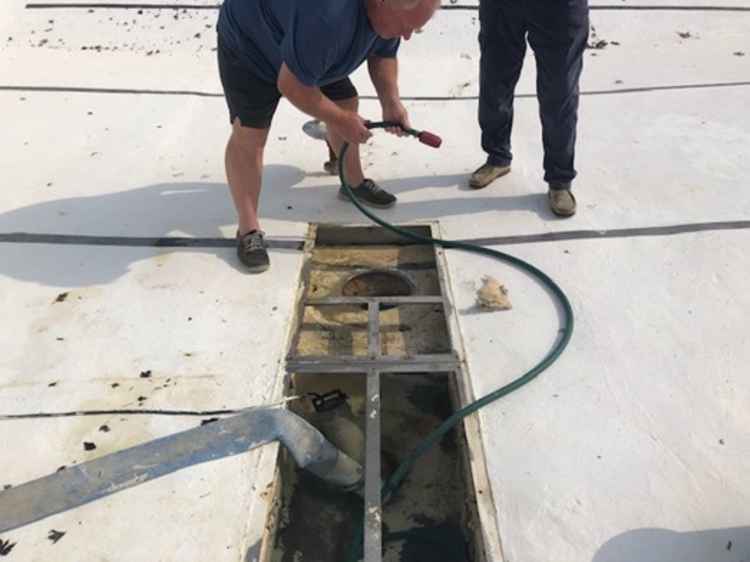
(557, 31)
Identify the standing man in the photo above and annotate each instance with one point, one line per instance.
(304, 50)
(557, 31)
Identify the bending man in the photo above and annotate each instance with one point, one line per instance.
(304, 50)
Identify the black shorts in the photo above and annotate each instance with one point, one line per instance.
(254, 100)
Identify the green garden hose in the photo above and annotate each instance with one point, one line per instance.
(398, 476)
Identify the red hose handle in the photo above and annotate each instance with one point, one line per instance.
(430, 139)
(425, 137)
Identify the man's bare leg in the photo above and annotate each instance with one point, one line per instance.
(244, 167)
(352, 165)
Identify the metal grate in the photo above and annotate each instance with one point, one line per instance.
(373, 365)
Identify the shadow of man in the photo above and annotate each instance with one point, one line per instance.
(662, 545)
(137, 221)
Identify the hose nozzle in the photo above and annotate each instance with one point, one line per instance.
(425, 137)
(430, 139)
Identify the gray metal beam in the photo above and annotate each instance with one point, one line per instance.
(373, 519)
(384, 364)
(332, 301)
(373, 330)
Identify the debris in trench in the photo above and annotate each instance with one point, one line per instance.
(115, 384)
(89, 446)
(55, 536)
(685, 34)
(739, 54)
(209, 420)
(493, 295)
(142, 399)
(145, 374)
(104, 428)
(61, 297)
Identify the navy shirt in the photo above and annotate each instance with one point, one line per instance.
(321, 41)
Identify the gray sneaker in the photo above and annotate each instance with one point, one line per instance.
(370, 193)
(486, 174)
(251, 250)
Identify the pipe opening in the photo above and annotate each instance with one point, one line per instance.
(379, 283)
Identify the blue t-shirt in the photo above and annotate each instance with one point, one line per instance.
(321, 41)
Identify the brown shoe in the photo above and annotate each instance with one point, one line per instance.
(486, 174)
(562, 202)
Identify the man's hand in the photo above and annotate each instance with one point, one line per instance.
(351, 127)
(394, 110)
(347, 124)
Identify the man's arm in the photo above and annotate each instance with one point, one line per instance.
(384, 76)
(312, 101)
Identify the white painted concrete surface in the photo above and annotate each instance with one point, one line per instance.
(635, 446)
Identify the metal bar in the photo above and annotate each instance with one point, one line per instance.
(409, 368)
(302, 289)
(373, 329)
(330, 301)
(373, 508)
(336, 235)
(385, 364)
(442, 270)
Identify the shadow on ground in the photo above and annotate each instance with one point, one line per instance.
(204, 210)
(663, 545)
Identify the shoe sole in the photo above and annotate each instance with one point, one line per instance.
(368, 203)
(563, 215)
(256, 268)
(481, 185)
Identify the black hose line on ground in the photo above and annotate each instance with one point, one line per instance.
(565, 333)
